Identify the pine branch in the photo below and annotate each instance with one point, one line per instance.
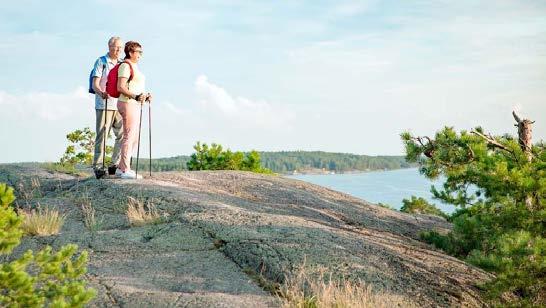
(491, 140)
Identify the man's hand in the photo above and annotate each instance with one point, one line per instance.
(149, 97)
(104, 95)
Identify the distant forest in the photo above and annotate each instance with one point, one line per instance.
(288, 161)
(284, 162)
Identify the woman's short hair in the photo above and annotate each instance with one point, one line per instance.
(130, 46)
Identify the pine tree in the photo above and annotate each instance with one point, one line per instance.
(498, 184)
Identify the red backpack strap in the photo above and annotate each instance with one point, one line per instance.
(131, 68)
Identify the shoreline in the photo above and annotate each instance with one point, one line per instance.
(328, 172)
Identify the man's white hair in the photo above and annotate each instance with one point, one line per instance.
(113, 39)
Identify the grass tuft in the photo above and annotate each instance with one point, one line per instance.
(140, 214)
(302, 291)
(29, 190)
(88, 212)
(43, 221)
(268, 285)
(63, 168)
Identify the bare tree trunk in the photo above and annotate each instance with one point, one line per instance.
(525, 134)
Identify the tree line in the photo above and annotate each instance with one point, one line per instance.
(81, 144)
(289, 161)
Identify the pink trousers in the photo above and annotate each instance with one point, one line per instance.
(130, 113)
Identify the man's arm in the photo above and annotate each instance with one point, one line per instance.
(96, 86)
(98, 70)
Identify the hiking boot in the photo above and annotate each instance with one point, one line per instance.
(99, 173)
(130, 175)
(112, 169)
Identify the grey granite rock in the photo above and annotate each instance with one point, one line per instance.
(218, 228)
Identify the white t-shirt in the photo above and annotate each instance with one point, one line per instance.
(101, 70)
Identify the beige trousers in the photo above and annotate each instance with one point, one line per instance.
(114, 122)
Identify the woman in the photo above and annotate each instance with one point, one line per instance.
(131, 86)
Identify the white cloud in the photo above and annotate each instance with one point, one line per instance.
(170, 107)
(36, 123)
(352, 8)
(46, 106)
(241, 109)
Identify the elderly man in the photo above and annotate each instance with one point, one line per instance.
(107, 116)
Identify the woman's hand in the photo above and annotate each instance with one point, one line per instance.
(149, 97)
(141, 98)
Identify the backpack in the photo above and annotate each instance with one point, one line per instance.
(112, 81)
(103, 59)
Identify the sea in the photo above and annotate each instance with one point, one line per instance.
(388, 187)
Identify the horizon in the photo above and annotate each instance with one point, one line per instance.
(259, 151)
(338, 77)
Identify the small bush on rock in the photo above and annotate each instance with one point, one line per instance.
(419, 205)
(215, 158)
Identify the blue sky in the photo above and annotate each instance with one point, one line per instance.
(343, 76)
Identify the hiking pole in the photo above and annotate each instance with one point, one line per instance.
(138, 147)
(105, 114)
(108, 134)
(100, 174)
(150, 133)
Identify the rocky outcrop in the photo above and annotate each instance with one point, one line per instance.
(220, 230)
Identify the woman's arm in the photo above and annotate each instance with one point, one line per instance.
(123, 84)
(123, 88)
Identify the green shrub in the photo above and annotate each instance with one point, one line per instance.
(520, 261)
(10, 230)
(215, 158)
(438, 240)
(387, 206)
(80, 149)
(420, 206)
(42, 279)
